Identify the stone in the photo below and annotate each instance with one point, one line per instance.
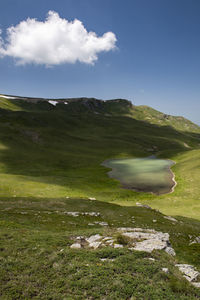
(72, 213)
(165, 270)
(80, 237)
(101, 223)
(94, 238)
(107, 238)
(196, 284)
(107, 259)
(170, 219)
(132, 229)
(143, 205)
(196, 240)
(189, 272)
(170, 251)
(150, 245)
(91, 214)
(147, 236)
(75, 246)
(109, 242)
(118, 246)
(147, 239)
(77, 214)
(94, 245)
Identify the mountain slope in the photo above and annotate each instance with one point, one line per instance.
(56, 150)
(50, 165)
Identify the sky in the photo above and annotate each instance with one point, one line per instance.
(146, 51)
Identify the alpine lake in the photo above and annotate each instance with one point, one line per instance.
(150, 175)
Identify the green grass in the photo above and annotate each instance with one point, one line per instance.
(48, 154)
(37, 263)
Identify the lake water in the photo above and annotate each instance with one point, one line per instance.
(143, 174)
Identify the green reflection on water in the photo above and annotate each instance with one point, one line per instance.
(143, 174)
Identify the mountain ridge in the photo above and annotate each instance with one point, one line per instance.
(98, 106)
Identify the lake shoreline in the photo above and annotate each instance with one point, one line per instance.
(135, 189)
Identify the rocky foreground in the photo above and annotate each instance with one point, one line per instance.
(137, 239)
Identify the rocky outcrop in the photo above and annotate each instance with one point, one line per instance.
(139, 239)
(148, 239)
(190, 273)
(196, 240)
(77, 214)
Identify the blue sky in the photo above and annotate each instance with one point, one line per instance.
(156, 61)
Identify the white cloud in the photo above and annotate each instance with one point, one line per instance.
(54, 41)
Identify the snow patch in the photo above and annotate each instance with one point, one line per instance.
(53, 102)
(8, 97)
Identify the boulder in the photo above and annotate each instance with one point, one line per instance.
(170, 251)
(189, 272)
(75, 246)
(150, 245)
(94, 245)
(94, 238)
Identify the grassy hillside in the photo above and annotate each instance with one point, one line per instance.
(153, 116)
(56, 151)
(50, 162)
(37, 262)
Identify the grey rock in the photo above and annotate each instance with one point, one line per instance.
(165, 270)
(91, 214)
(150, 258)
(94, 238)
(109, 242)
(143, 205)
(150, 245)
(196, 240)
(75, 246)
(107, 238)
(170, 251)
(132, 229)
(72, 213)
(107, 259)
(118, 246)
(147, 239)
(196, 284)
(94, 245)
(170, 219)
(77, 214)
(189, 272)
(147, 236)
(101, 223)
